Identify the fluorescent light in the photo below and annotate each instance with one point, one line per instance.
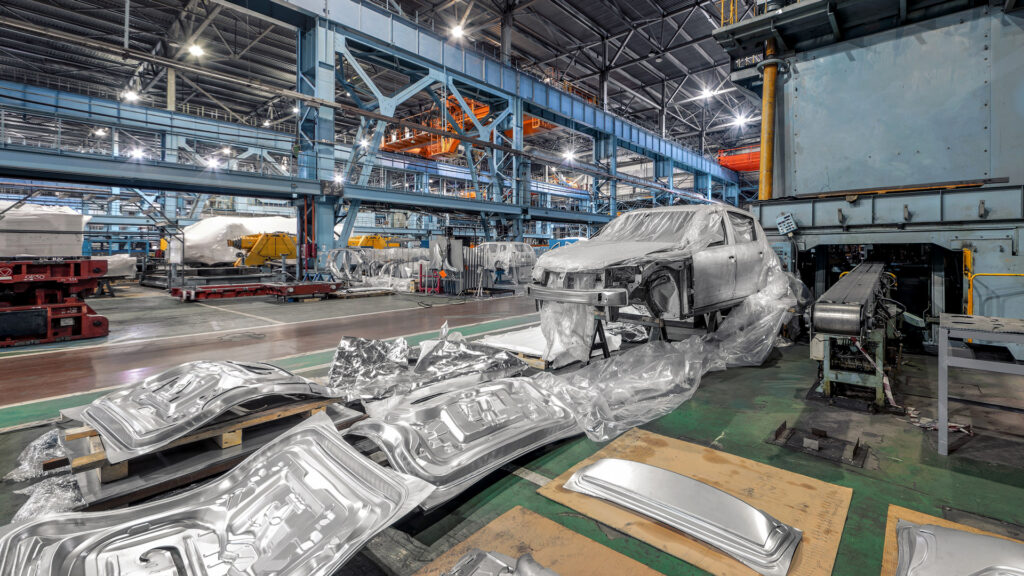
(266, 123)
(458, 31)
(225, 150)
(130, 95)
(196, 50)
(137, 153)
(295, 109)
(100, 132)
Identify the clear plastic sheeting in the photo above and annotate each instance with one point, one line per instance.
(568, 329)
(373, 369)
(38, 231)
(206, 241)
(382, 268)
(639, 237)
(530, 341)
(119, 265)
(53, 495)
(31, 459)
(364, 369)
(613, 395)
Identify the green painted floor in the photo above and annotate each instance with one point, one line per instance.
(734, 411)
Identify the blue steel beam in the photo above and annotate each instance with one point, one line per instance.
(435, 201)
(39, 163)
(102, 112)
(392, 33)
(555, 215)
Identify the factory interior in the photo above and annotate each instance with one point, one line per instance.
(511, 287)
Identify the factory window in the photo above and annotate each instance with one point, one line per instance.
(743, 227)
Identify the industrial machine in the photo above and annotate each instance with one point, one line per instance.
(41, 301)
(375, 241)
(262, 248)
(855, 334)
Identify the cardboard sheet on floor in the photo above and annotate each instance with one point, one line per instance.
(816, 507)
(890, 554)
(520, 531)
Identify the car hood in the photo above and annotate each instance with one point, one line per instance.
(597, 255)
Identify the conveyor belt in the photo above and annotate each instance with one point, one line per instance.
(846, 306)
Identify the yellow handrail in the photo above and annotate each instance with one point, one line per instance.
(970, 275)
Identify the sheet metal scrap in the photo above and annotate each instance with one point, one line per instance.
(374, 369)
(454, 438)
(301, 506)
(480, 563)
(140, 419)
(927, 550)
(694, 508)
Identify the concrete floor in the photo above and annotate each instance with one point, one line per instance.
(735, 411)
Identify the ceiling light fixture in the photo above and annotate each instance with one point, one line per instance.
(212, 162)
(196, 50)
(705, 93)
(225, 150)
(364, 143)
(338, 178)
(100, 132)
(295, 109)
(130, 95)
(137, 154)
(266, 123)
(458, 31)
(741, 120)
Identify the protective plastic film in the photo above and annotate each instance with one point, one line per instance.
(374, 369)
(567, 328)
(363, 369)
(52, 495)
(31, 459)
(639, 237)
(611, 396)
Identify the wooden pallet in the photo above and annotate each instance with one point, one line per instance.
(226, 432)
(533, 361)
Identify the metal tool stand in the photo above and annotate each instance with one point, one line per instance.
(962, 327)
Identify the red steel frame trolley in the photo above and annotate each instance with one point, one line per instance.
(42, 301)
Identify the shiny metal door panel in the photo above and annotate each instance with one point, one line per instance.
(749, 268)
(300, 506)
(927, 550)
(454, 438)
(714, 276)
(694, 508)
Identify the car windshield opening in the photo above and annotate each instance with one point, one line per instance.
(668, 226)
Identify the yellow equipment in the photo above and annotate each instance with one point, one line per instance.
(261, 248)
(375, 241)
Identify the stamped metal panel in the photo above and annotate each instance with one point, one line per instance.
(480, 563)
(140, 419)
(928, 550)
(714, 276)
(694, 508)
(300, 506)
(453, 439)
(909, 105)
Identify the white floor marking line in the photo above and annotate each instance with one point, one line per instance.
(69, 395)
(473, 337)
(265, 319)
(104, 389)
(528, 475)
(456, 328)
(225, 331)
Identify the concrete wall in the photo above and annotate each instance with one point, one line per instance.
(938, 101)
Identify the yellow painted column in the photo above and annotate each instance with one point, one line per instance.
(771, 72)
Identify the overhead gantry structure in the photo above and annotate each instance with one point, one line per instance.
(343, 46)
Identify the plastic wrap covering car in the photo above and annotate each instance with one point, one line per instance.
(143, 418)
(300, 506)
(358, 264)
(373, 369)
(927, 550)
(480, 563)
(455, 438)
(505, 255)
(611, 396)
(694, 508)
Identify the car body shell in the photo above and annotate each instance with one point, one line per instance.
(680, 261)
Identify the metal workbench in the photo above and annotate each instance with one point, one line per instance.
(963, 327)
